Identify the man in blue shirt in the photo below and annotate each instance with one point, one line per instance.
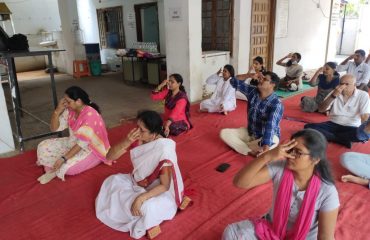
(265, 111)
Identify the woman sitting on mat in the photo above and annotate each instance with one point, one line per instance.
(252, 76)
(223, 98)
(140, 201)
(293, 77)
(305, 200)
(327, 79)
(87, 143)
(177, 106)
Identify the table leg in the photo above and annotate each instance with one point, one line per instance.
(14, 90)
(123, 71)
(133, 70)
(51, 72)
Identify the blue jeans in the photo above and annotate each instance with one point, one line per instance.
(333, 132)
(357, 163)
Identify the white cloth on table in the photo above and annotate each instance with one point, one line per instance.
(224, 94)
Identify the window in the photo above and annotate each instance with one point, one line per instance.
(111, 31)
(217, 25)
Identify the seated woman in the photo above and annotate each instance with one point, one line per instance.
(293, 78)
(223, 98)
(177, 106)
(251, 77)
(358, 163)
(152, 193)
(305, 200)
(326, 81)
(87, 144)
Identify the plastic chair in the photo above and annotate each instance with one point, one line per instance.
(81, 68)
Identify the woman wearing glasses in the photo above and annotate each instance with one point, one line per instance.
(305, 200)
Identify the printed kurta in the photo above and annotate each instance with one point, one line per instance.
(87, 131)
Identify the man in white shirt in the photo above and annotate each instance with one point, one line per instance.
(358, 68)
(349, 107)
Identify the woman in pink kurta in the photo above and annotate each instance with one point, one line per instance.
(87, 144)
(177, 106)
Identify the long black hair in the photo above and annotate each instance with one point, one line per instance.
(316, 144)
(178, 79)
(76, 93)
(259, 59)
(152, 121)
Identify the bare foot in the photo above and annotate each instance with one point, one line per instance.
(355, 179)
(225, 113)
(47, 177)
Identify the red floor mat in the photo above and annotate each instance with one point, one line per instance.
(292, 110)
(65, 210)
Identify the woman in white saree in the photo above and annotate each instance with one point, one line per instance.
(140, 201)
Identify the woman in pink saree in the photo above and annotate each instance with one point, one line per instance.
(138, 202)
(87, 144)
(305, 200)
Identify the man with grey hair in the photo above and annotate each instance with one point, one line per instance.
(358, 68)
(348, 108)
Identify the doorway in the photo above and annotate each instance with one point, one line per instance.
(262, 31)
(147, 25)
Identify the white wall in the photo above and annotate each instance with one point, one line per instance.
(363, 40)
(307, 34)
(31, 16)
(68, 15)
(183, 44)
(241, 38)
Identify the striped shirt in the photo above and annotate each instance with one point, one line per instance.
(264, 115)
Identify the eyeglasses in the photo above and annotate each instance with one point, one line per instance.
(297, 153)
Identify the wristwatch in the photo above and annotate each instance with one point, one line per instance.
(64, 159)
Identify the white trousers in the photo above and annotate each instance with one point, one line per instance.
(240, 140)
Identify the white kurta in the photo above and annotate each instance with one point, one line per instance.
(224, 94)
(113, 203)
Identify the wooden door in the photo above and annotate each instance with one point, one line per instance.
(262, 31)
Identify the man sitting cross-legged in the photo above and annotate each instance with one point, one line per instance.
(265, 111)
(349, 107)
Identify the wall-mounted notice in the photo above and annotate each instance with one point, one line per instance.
(175, 14)
(282, 17)
(131, 16)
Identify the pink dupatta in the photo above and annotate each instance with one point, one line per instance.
(89, 127)
(278, 229)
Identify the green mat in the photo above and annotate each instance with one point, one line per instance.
(284, 94)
